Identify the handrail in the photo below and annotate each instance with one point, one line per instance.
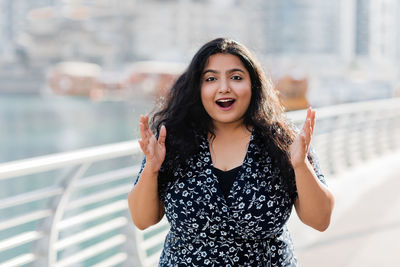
(88, 216)
(19, 239)
(92, 250)
(30, 197)
(349, 108)
(26, 218)
(91, 232)
(19, 260)
(55, 161)
(85, 214)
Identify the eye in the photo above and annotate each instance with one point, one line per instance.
(211, 78)
(236, 77)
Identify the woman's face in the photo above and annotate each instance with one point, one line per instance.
(225, 89)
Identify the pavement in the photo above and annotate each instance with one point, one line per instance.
(365, 226)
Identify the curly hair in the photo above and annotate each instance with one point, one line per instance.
(187, 121)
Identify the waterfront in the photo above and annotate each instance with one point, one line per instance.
(33, 125)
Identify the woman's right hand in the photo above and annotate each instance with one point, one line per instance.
(153, 149)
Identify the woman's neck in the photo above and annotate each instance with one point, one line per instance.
(229, 146)
(231, 130)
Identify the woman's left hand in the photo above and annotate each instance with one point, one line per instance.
(299, 148)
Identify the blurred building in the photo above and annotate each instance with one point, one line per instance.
(354, 40)
(175, 29)
(13, 21)
(348, 49)
(300, 27)
(50, 38)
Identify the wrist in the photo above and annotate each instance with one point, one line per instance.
(300, 166)
(150, 170)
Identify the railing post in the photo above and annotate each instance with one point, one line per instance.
(47, 255)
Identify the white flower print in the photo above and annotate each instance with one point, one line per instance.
(248, 228)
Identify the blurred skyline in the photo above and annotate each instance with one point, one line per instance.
(348, 49)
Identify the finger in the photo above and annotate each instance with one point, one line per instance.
(162, 136)
(143, 133)
(305, 125)
(150, 147)
(143, 122)
(142, 146)
(149, 132)
(142, 119)
(146, 122)
(309, 110)
(303, 140)
(313, 121)
(307, 130)
(308, 134)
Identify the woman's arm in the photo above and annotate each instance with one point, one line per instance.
(145, 207)
(315, 202)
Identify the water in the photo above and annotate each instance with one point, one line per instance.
(32, 125)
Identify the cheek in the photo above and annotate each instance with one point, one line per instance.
(206, 96)
(245, 93)
(202, 96)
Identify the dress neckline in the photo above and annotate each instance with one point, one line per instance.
(228, 171)
(229, 200)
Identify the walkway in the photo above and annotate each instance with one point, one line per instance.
(365, 227)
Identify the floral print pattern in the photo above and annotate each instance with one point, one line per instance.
(248, 228)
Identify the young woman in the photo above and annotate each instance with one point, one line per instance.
(226, 166)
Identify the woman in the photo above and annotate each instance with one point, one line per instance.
(227, 167)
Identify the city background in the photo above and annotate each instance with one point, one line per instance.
(77, 74)
(340, 51)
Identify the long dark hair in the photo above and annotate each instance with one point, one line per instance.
(187, 122)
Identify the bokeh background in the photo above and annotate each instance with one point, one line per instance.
(78, 73)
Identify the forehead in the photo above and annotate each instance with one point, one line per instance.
(224, 62)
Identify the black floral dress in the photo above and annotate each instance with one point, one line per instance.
(248, 228)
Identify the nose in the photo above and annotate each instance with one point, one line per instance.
(224, 86)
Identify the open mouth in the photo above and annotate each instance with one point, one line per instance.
(225, 103)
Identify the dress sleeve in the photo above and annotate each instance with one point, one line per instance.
(161, 175)
(140, 171)
(312, 157)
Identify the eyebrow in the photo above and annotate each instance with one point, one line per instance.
(228, 71)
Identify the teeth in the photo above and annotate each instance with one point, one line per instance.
(224, 100)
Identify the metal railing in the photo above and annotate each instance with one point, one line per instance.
(350, 134)
(70, 209)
